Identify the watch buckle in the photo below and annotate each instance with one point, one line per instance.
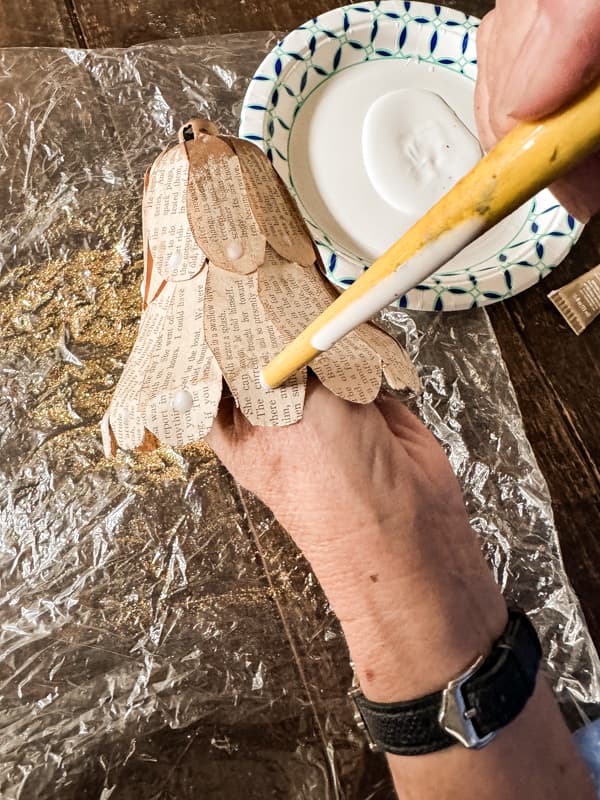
(454, 716)
(359, 721)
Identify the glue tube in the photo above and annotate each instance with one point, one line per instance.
(579, 301)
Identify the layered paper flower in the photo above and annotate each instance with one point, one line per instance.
(231, 276)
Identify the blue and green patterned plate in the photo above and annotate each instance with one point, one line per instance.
(388, 44)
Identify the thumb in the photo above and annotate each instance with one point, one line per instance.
(222, 435)
(401, 422)
(579, 191)
(558, 57)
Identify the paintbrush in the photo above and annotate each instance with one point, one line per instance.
(530, 157)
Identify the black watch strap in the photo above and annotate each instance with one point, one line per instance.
(471, 709)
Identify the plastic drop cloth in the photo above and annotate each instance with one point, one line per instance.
(160, 635)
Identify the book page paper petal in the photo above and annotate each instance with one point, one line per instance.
(175, 253)
(147, 266)
(124, 413)
(218, 207)
(349, 370)
(274, 209)
(182, 384)
(292, 297)
(243, 341)
(109, 444)
(399, 370)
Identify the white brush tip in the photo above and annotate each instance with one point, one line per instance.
(263, 383)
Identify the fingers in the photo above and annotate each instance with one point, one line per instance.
(236, 441)
(533, 58)
(536, 57)
(315, 391)
(579, 192)
(513, 34)
(230, 430)
(416, 441)
(220, 435)
(399, 419)
(324, 411)
(482, 88)
(328, 421)
(559, 57)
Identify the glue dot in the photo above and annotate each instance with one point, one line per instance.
(174, 261)
(183, 401)
(234, 251)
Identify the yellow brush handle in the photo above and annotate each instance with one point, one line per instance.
(529, 158)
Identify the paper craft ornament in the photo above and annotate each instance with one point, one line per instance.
(231, 275)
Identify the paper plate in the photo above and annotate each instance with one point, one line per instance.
(306, 107)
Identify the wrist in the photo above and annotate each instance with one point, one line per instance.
(416, 611)
(404, 653)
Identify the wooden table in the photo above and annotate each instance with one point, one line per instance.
(555, 374)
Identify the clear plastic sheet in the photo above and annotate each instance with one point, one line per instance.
(160, 635)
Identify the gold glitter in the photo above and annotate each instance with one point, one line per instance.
(80, 316)
(145, 545)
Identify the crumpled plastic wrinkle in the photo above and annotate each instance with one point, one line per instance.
(160, 635)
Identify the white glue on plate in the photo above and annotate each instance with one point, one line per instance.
(328, 164)
(415, 148)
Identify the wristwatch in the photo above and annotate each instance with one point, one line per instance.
(470, 710)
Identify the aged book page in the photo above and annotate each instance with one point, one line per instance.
(244, 340)
(182, 368)
(175, 253)
(293, 296)
(124, 413)
(274, 210)
(399, 371)
(219, 210)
